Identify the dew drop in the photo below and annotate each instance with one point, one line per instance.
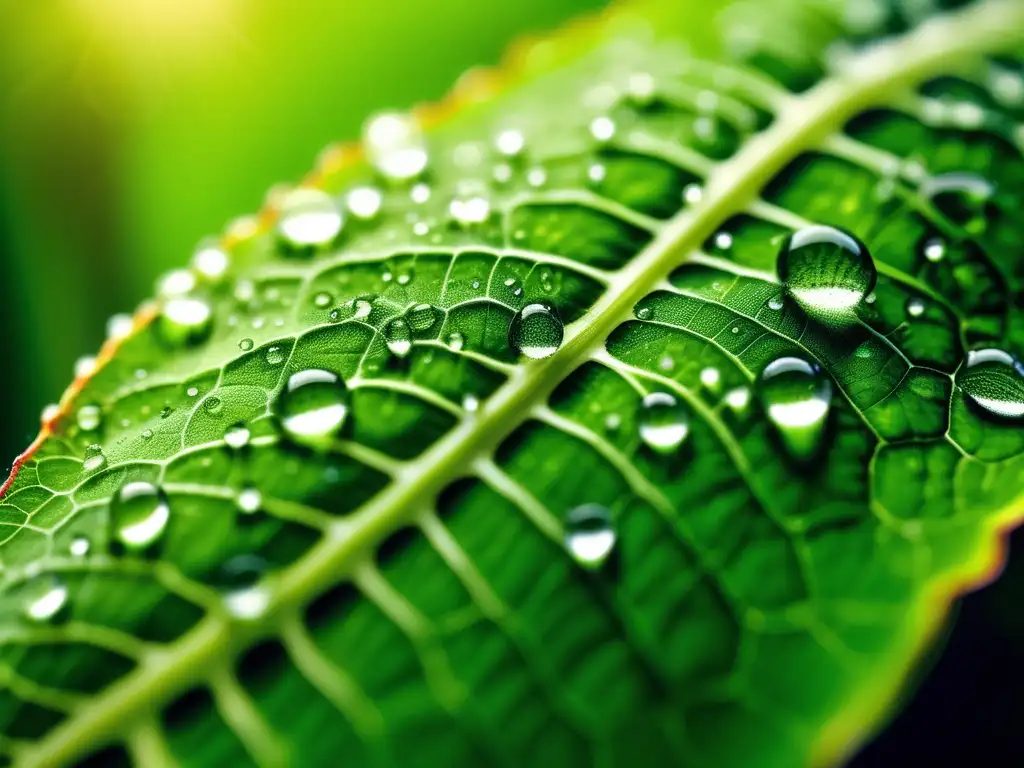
(364, 202)
(421, 317)
(471, 403)
(602, 128)
(596, 173)
(775, 303)
(536, 331)
(47, 600)
(275, 355)
(239, 582)
(710, 377)
(314, 406)
(537, 177)
(693, 193)
(322, 300)
(456, 341)
(89, 418)
(470, 208)
(993, 380)
(398, 337)
(177, 282)
(147, 434)
(309, 217)
(420, 193)
(245, 344)
(590, 535)
(79, 546)
(250, 500)
(139, 515)
(663, 421)
(827, 272)
(119, 326)
(395, 146)
(237, 436)
(915, 307)
(94, 458)
(934, 249)
(961, 197)
(185, 320)
(211, 261)
(213, 405)
(510, 143)
(797, 398)
(85, 366)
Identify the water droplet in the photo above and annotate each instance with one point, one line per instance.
(314, 406)
(993, 380)
(590, 535)
(827, 272)
(738, 399)
(185, 320)
(79, 546)
(85, 366)
(47, 600)
(664, 423)
(275, 355)
(395, 146)
(421, 317)
(192, 391)
(915, 307)
(139, 515)
(119, 326)
(245, 344)
(510, 143)
(710, 377)
(364, 202)
(693, 193)
(94, 458)
(147, 434)
(962, 198)
(470, 208)
(456, 341)
(322, 300)
(250, 500)
(502, 173)
(177, 282)
(309, 217)
(602, 128)
(596, 173)
(537, 177)
(89, 418)
(640, 87)
(775, 303)
(398, 337)
(797, 398)
(237, 436)
(239, 582)
(420, 193)
(934, 249)
(536, 331)
(722, 241)
(213, 405)
(211, 261)
(471, 403)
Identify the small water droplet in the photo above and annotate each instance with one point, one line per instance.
(119, 326)
(89, 418)
(722, 241)
(738, 399)
(664, 423)
(596, 173)
(395, 146)
(139, 515)
(537, 177)
(213, 405)
(237, 436)
(602, 128)
(471, 403)
(364, 202)
(420, 193)
(827, 272)
(421, 317)
(961, 197)
(590, 535)
(79, 546)
(470, 208)
(275, 355)
(47, 600)
(85, 366)
(250, 500)
(934, 249)
(710, 377)
(314, 406)
(693, 193)
(211, 261)
(536, 331)
(915, 307)
(456, 341)
(993, 380)
(94, 458)
(308, 217)
(177, 282)
(398, 337)
(147, 434)
(510, 143)
(797, 398)
(239, 582)
(245, 344)
(185, 320)
(775, 303)
(322, 300)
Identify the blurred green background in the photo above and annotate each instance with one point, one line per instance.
(130, 129)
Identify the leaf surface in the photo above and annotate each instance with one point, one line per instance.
(408, 588)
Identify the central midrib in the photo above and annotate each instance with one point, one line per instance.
(802, 122)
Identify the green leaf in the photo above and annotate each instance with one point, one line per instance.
(539, 463)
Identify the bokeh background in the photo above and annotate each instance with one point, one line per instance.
(130, 129)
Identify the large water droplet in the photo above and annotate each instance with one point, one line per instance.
(185, 320)
(47, 600)
(139, 515)
(308, 218)
(797, 398)
(962, 198)
(314, 406)
(664, 422)
(239, 582)
(827, 272)
(398, 337)
(395, 146)
(590, 535)
(536, 331)
(993, 380)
